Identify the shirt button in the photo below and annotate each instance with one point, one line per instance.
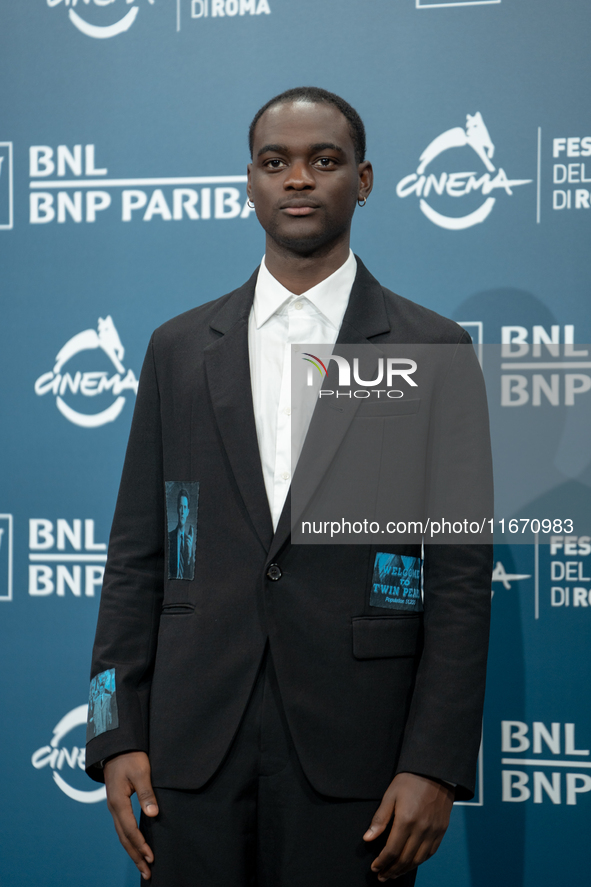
(298, 306)
(285, 475)
(274, 573)
(287, 411)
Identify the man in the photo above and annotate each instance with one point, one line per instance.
(181, 540)
(279, 728)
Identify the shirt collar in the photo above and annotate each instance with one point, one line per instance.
(330, 297)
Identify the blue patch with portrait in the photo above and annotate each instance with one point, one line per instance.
(182, 504)
(396, 582)
(102, 705)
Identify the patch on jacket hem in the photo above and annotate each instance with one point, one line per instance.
(396, 582)
(182, 502)
(102, 705)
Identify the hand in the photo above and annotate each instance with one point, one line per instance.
(125, 774)
(421, 809)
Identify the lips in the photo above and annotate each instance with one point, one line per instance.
(299, 208)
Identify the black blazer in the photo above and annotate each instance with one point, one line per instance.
(367, 691)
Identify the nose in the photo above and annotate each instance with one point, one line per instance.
(299, 178)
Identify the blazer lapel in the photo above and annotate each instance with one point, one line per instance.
(365, 318)
(227, 371)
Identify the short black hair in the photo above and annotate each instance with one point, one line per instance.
(317, 96)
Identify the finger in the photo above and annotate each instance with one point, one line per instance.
(389, 858)
(126, 825)
(418, 848)
(426, 851)
(409, 862)
(381, 818)
(414, 853)
(431, 842)
(145, 795)
(134, 853)
(435, 845)
(399, 834)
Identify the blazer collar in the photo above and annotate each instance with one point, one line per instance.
(227, 370)
(365, 317)
(235, 306)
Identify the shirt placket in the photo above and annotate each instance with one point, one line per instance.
(283, 438)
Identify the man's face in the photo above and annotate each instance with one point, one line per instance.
(304, 179)
(183, 510)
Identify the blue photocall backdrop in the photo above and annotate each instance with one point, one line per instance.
(122, 203)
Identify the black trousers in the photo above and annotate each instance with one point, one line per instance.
(258, 822)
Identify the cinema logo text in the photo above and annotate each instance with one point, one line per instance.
(97, 383)
(64, 558)
(100, 23)
(68, 185)
(571, 171)
(230, 8)
(568, 569)
(67, 760)
(429, 186)
(550, 766)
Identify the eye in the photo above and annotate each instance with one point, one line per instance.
(274, 163)
(325, 162)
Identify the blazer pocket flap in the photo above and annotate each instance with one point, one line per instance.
(180, 609)
(386, 408)
(376, 637)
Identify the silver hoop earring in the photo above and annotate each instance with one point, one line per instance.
(362, 202)
(250, 203)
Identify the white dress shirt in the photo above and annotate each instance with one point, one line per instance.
(277, 320)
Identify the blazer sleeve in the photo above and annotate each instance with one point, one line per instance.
(443, 730)
(131, 599)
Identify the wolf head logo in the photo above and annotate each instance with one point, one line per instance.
(107, 338)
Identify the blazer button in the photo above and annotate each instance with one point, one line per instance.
(274, 573)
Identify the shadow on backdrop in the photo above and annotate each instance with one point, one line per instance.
(495, 832)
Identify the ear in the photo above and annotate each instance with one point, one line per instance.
(249, 181)
(365, 179)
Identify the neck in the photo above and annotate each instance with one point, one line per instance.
(299, 273)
